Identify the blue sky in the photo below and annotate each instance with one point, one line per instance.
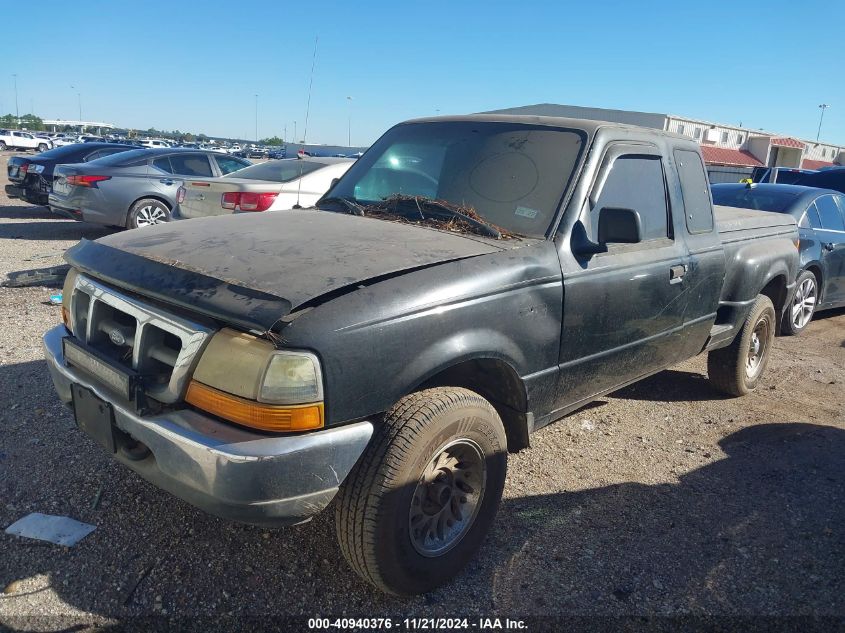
(197, 65)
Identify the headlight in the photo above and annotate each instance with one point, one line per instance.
(247, 380)
(67, 295)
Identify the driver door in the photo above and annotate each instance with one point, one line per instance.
(624, 308)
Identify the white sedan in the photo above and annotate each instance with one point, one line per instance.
(272, 186)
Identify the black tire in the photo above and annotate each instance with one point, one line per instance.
(380, 499)
(147, 208)
(802, 307)
(42, 147)
(733, 369)
(3, 146)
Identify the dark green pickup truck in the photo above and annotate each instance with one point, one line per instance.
(468, 281)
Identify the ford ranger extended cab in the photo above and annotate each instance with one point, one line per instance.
(468, 281)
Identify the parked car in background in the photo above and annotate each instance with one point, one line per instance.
(831, 178)
(16, 139)
(780, 175)
(820, 214)
(65, 140)
(31, 178)
(134, 188)
(278, 152)
(153, 143)
(271, 186)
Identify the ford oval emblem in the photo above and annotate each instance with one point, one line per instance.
(117, 337)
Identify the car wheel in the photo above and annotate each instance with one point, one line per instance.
(42, 147)
(738, 368)
(147, 212)
(800, 311)
(418, 504)
(2, 145)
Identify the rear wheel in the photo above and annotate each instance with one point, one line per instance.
(418, 504)
(738, 368)
(147, 212)
(800, 312)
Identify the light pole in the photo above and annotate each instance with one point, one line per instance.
(295, 136)
(17, 112)
(349, 126)
(823, 107)
(256, 118)
(79, 99)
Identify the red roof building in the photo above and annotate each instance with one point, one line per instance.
(731, 157)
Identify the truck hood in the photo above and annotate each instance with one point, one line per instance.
(252, 269)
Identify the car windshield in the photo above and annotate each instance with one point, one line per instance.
(59, 152)
(510, 175)
(123, 158)
(777, 200)
(278, 170)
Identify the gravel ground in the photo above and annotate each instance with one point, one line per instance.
(662, 499)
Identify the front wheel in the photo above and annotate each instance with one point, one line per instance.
(418, 504)
(738, 368)
(42, 147)
(800, 312)
(147, 212)
(2, 145)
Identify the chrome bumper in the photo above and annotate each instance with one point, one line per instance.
(223, 469)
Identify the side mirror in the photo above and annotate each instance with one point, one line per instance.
(619, 226)
(333, 183)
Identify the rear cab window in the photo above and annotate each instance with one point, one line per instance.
(696, 191)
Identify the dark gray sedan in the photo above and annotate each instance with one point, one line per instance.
(135, 188)
(820, 214)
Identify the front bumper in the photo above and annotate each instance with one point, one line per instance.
(223, 469)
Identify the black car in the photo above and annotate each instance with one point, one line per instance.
(31, 177)
(820, 214)
(832, 178)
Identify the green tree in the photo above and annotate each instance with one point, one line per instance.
(32, 122)
(273, 140)
(8, 121)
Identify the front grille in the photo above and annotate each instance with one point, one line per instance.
(160, 346)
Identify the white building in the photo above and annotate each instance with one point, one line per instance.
(721, 145)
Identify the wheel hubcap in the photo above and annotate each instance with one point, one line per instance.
(150, 215)
(804, 304)
(757, 348)
(447, 497)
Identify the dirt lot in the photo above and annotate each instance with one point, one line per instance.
(664, 498)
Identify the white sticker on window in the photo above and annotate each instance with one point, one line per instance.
(526, 212)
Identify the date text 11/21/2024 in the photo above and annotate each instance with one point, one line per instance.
(418, 624)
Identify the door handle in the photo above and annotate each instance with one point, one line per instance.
(828, 246)
(166, 181)
(676, 273)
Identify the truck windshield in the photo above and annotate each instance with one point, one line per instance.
(512, 175)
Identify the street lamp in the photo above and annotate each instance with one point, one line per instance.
(256, 118)
(17, 112)
(823, 107)
(349, 126)
(79, 98)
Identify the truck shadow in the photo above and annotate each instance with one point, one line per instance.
(758, 531)
(671, 385)
(57, 229)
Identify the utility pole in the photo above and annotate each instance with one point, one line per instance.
(256, 118)
(295, 136)
(79, 98)
(823, 107)
(17, 111)
(349, 126)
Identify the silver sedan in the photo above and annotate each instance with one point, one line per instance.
(133, 189)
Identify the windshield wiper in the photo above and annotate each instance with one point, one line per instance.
(468, 215)
(349, 205)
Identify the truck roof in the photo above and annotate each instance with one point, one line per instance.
(588, 125)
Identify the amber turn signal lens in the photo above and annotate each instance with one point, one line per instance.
(65, 317)
(256, 415)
